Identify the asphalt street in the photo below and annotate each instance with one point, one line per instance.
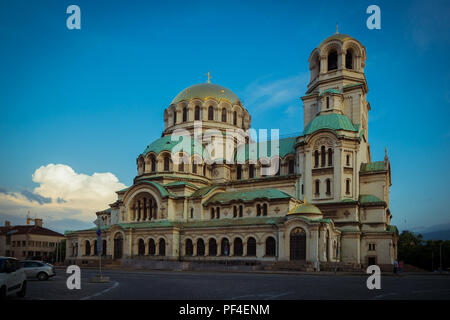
(164, 285)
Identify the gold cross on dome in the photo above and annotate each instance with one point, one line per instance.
(209, 77)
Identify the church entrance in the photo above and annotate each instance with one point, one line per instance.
(298, 244)
(118, 246)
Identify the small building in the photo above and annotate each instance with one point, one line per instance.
(28, 241)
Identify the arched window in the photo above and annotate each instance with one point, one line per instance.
(251, 171)
(211, 113)
(153, 163)
(316, 159)
(258, 209)
(175, 117)
(291, 166)
(349, 59)
(238, 247)
(162, 247)
(328, 187)
(235, 118)
(197, 113)
(87, 248)
(347, 186)
(212, 213)
(317, 187)
(330, 157)
(200, 247)
(194, 168)
(104, 248)
(151, 247)
(328, 102)
(225, 247)
(141, 247)
(323, 154)
(332, 60)
(95, 248)
(265, 209)
(239, 172)
(348, 160)
(192, 213)
(235, 211)
(251, 247)
(185, 114)
(224, 115)
(241, 209)
(181, 166)
(270, 247)
(218, 212)
(189, 249)
(212, 244)
(204, 170)
(166, 163)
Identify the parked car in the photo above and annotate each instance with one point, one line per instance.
(12, 278)
(38, 269)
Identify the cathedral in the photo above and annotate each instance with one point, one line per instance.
(325, 202)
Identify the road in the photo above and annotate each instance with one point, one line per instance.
(139, 285)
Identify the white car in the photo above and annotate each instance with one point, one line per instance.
(12, 278)
(38, 269)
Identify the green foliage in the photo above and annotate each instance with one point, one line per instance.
(415, 251)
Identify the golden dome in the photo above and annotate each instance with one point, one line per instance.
(206, 91)
(306, 209)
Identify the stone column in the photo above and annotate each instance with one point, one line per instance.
(313, 246)
(157, 248)
(93, 248)
(244, 251)
(322, 246)
(338, 173)
(206, 248)
(194, 251)
(259, 249)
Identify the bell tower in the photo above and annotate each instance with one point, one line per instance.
(338, 83)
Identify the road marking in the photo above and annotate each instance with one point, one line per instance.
(116, 284)
(262, 296)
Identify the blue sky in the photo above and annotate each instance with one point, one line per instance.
(93, 99)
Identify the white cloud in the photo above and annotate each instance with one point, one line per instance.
(74, 195)
(277, 93)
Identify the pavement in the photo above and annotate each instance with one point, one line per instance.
(185, 285)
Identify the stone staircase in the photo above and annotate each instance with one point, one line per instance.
(340, 266)
(304, 266)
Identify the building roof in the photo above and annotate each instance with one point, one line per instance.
(330, 91)
(373, 166)
(180, 183)
(247, 196)
(32, 229)
(370, 199)
(332, 121)
(252, 150)
(205, 91)
(200, 193)
(305, 208)
(167, 144)
(337, 36)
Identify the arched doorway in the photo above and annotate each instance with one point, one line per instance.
(141, 247)
(162, 247)
(118, 246)
(298, 244)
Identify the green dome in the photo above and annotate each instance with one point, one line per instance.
(332, 121)
(205, 91)
(166, 144)
(305, 208)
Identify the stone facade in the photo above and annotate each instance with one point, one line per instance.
(325, 201)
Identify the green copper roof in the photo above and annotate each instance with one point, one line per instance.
(368, 198)
(166, 144)
(331, 121)
(123, 190)
(252, 150)
(162, 190)
(233, 222)
(330, 91)
(305, 208)
(181, 183)
(200, 193)
(372, 166)
(247, 196)
(204, 91)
